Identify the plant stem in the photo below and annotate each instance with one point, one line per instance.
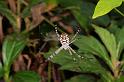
(49, 71)
(6, 75)
(119, 12)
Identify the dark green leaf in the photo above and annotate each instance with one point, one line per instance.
(26, 76)
(109, 41)
(120, 79)
(83, 14)
(113, 27)
(70, 3)
(1, 70)
(90, 44)
(12, 46)
(120, 39)
(65, 60)
(103, 20)
(81, 78)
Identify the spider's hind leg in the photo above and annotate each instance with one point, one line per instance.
(70, 52)
(79, 56)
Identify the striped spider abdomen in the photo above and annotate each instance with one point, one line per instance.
(64, 40)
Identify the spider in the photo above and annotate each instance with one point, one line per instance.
(65, 42)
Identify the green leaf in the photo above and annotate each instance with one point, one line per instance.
(27, 10)
(113, 28)
(65, 60)
(88, 64)
(89, 44)
(12, 46)
(83, 14)
(81, 18)
(120, 39)
(1, 70)
(105, 6)
(8, 14)
(26, 76)
(81, 78)
(102, 21)
(70, 3)
(108, 39)
(120, 79)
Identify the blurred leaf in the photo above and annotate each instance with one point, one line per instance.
(78, 11)
(83, 11)
(105, 6)
(113, 27)
(1, 70)
(82, 19)
(102, 21)
(108, 39)
(3, 4)
(68, 3)
(26, 76)
(120, 79)
(83, 14)
(12, 46)
(120, 39)
(26, 12)
(81, 78)
(8, 14)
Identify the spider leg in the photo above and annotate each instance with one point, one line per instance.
(55, 53)
(79, 56)
(71, 54)
(73, 38)
(57, 32)
(72, 41)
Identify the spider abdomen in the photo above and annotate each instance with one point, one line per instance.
(64, 40)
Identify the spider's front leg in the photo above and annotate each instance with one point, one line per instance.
(58, 35)
(74, 37)
(55, 53)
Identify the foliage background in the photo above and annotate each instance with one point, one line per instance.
(27, 39)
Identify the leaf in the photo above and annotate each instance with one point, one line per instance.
(70, 3)
(113, 28)
(120, 39)
(27, 10)
(1, 70)
(81, 78)
(105, 6)
(109, 41)
(12, 46)
(83, 14)
(8, 14)
(102, 21)
(64, 59)
(120, 79)
(88, 64)
(81, 18)
(89, 44)
(26, 76)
